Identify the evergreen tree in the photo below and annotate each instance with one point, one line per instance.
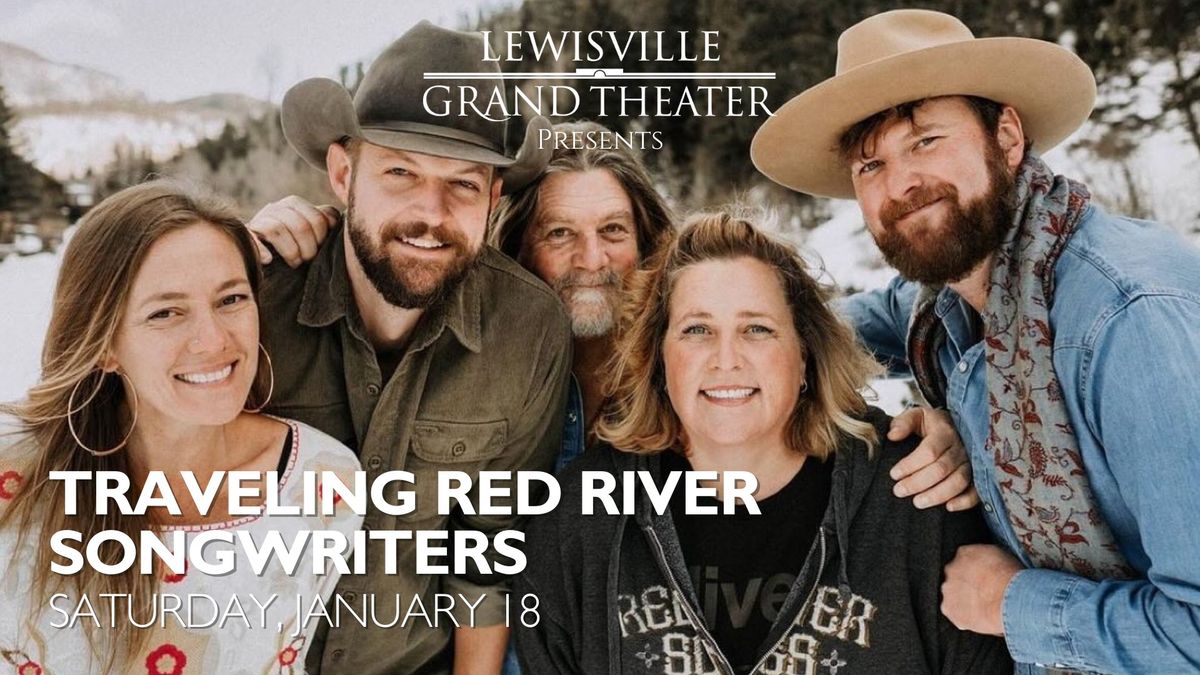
(8, 158)
(19, 181)
(1122, 41)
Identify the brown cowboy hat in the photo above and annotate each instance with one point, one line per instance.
(388, 109)
(907, 55)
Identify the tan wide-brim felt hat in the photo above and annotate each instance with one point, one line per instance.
(907, 55)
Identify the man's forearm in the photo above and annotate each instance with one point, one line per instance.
(1055, 618)
(479, 650)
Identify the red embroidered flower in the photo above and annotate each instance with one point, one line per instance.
(10, 482)
(169, 578)
(288, 656)
(29, 668)
(337, 498)
(166, 660)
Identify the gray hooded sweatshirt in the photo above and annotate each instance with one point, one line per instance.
(614, 593)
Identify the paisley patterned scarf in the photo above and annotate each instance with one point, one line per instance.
(1040, 468)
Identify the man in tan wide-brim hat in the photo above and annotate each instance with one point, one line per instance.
(394, 328)
(1062, 340)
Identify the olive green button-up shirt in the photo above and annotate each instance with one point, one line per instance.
(481, 385)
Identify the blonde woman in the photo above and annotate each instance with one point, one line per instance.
(731, 360)
(152, 362)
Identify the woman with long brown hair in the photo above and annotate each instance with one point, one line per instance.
(730, 359)
(152, 363)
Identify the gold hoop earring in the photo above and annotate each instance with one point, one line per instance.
(71, 410)
(270, 388)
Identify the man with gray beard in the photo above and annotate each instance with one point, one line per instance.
(583, 226)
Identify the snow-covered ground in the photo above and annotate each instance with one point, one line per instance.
(26, 290)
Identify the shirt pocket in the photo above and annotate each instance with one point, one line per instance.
(437, 446)
(439, 442)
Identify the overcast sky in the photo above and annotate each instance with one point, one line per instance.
(182, 48)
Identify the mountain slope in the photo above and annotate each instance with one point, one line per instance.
(31, 81)
(72, 119)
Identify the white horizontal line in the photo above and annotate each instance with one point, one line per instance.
(600, 75)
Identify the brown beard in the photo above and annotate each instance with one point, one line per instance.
(411, 284)
(969, 234)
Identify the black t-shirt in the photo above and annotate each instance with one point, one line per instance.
(743, 565)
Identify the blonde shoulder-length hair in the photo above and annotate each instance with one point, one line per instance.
(639, 417)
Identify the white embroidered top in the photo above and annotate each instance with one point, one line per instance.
(235, 623)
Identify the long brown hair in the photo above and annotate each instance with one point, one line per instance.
(640, 417)
(94, 281)
(518, 211)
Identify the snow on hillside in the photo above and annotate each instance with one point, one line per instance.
(71, 119)
(1165, 169)
(31, 81)
(844, 250)
(68, 144)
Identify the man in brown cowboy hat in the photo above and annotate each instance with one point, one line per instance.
(410, 340)
(1061, 338)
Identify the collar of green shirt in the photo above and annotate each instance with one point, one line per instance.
(328, 298)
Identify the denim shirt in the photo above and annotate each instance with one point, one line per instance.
(574, 442)
(1126, 325)
(574, 438)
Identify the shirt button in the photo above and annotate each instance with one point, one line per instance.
(571, 417)
(962, 366)
(338, 654)
(987, 507)
(373, 389)
(350, 596)
(374, 462)
(458, 448)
